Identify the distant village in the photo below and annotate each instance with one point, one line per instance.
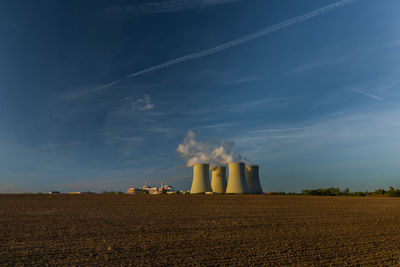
(146, 189)
(163, 189)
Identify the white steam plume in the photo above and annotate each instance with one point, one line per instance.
(245, 38)
(215, 153)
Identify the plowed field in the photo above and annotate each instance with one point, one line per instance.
(123, 230)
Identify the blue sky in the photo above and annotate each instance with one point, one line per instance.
(315, 103)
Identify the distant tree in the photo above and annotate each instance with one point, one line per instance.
(346, 192)
(393, 192)
(359, 194)
(334, 191)
(322, 192)
(379, 192)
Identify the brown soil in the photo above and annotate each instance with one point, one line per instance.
(122, 230)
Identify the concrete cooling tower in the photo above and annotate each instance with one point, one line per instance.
(237, 180)
(218, 182)
(253, 179)
(201, 179)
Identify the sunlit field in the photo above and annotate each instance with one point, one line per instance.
(198, 229)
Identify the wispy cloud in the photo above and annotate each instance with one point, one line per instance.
(318, 64)
(122, 139)
(129, 11)
(59, 146)
(143, 103)
(216, 126)
(245, 38)
(343, 131)
(241, 80)
(216, 49)
(85, 92)
(133, 124)
(280, 130)
(270, 103)
(369, 95)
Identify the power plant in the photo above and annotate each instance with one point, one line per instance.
(237, 180)
(218, 180)
(201, 179)
(253, 179)
(243, 179)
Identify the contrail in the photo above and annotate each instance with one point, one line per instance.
(162, 7)
(368, 94)
(245, 38)
(230, 44)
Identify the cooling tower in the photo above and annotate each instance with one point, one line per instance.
(237, 180)
(218, 182)
(201, 179)
(253, 180)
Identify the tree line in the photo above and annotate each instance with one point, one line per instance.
(391, 192)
